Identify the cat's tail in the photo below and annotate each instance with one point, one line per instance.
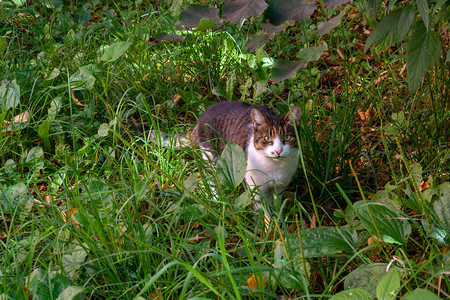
(161, 139)
(165, 140)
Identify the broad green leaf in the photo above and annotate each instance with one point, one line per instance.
(231, 166)
(89, 223)
(422, 6)
(389, 222)
(51, 285)
(371, 8)
(83, 15)
(72, 260)
(9, 94)
(325, 27)
(192, 15)
(327, 241)
(140, 189)
(238, 10)
(206, 24)
(243, 201)
(16, 199)
(53, 74)
(389, 286)
(290, 266)
(115, 50)
(420, 294)
(35, 159)
(324, 241)
(424, 51)
(70, 292)
(398, 124)
(2, 44)
(90, 69)
(282, 10)
(397, 24)
(366, 277)
(352, 294)
(102, 198)
(53, 3)
(312, 53)
(416, 171)
(441, 207)
(19, 2)
(55, 106)
(43, 132)
(103, 130)
(286, 69)
(81, 81)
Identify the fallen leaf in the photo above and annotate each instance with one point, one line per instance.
(77, 102)
(255, 282)
(176, 99)
(200, 236)
(341, 55)
(424, 185)
(20, 118)
(373, 240)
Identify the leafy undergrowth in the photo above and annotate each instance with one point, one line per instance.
(89, 209)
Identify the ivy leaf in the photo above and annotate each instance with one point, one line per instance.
(325, 27)
(192, 15)
(282, 10)
(286, 69)
(238, 10)
(424, 51)
(115, 50)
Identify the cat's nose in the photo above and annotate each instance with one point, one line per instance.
(277, 152)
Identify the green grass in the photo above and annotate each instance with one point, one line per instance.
(89, 209)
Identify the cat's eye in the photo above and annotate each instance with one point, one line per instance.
(286, 138)
(267, 139)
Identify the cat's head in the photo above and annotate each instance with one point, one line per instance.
(274, 136)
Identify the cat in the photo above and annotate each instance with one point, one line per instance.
(268, 140)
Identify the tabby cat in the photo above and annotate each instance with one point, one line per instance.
(268, 140)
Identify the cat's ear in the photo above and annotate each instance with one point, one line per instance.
(293, 117)
(258, 118)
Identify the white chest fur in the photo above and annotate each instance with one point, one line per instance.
(268, 173)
